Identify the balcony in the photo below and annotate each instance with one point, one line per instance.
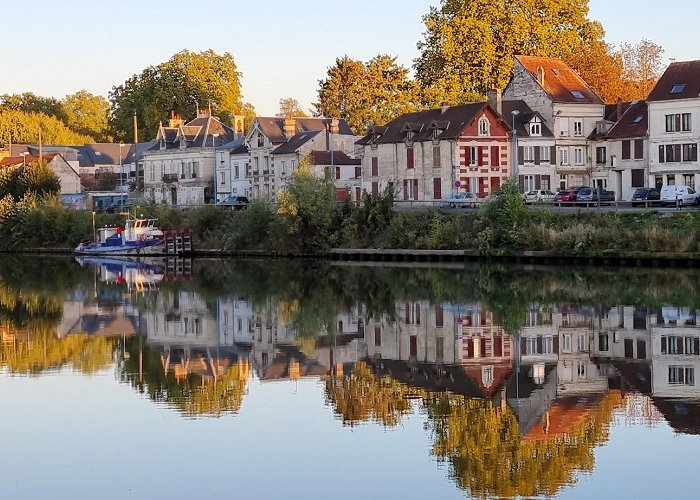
(170, 178)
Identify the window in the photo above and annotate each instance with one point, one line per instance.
(358, 172)
(261, 140)
(256, 165)
(153, 172)
(544, 154)
(581, 342)
(578, 156)
(544, 182)
(638, 119)
(677, 88)
(670, 153)
(536, 129)
(637, 177)
(566, 343)
(529, 183)
(564, 126)
(690, 153)
(483, 127)
(222, 177)
(563, 156)
(578, 126)
(581, 369)
(436, 156)
(681, 375)
(337, 173)
(377, 336)
(577, 94)
(375, 166)
(437, 188)
(638, 149)
(685, 122)
(529, 154)
(439, 317)
(195, 169)
(626, 150)
(409, 157)
(237, 171)
(473, 155)
(689, 180)
(600, 156)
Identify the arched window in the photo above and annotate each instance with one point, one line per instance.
(483, 126)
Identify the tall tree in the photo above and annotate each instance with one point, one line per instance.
(367, 93)
(18, 126)
(468, 45)
(184, 82)
(642, 64)
(30, 103)
(290, 107)
(87, 114)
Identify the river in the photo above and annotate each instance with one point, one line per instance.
(298, 379)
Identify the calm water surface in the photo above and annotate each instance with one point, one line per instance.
(264, 379)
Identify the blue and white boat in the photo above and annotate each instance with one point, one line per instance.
(139, 237)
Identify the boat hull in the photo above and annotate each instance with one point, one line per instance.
(130, 248)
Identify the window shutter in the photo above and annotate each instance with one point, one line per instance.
(555, 344)
(638, 149)
(663, 345)
(523, 345)
(358, 172)
(438, 316)
(538, 182)
(521, 183)
(661, 154)
(553, 155)
(417, 314)
(539, 344)
(409, 157)
(521, 155)
(467, 155)
(537, 155)
(437, 188)
(375, 166)
(415, 189)
(678, 123)
(481, 155)
(495, 153)
(405, 189)
(375, 189)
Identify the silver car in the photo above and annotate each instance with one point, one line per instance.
(539, 196)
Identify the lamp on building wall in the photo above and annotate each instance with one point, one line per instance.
(514, 153)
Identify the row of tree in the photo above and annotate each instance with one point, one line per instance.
(468, 48)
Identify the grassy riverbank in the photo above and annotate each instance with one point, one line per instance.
(308, 221)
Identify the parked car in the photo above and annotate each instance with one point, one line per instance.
(235, 202)
(565, 196)
(590, 195)
(646, 195)
(461, 200)
(539, 196)
(679, 195)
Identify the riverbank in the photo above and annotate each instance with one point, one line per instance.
(502, 229)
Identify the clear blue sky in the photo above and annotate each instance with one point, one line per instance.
(282, 47)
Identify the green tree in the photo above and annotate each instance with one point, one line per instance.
(87, 114)
(185, 81)
(290, 107)
(249, 114)
(468, 45)
(367, 93)
(19, 126)
(30, 103)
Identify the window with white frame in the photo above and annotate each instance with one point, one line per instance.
(473, 185)
(563, 156)
(578, 156)
(529, 183)
(222, 178)
(473, 155)
(581, 342)
(581, 369)
(566, 343)
(483, 127)
(153, 172)
(535, 127)
(563, 126)
(578, 126)
(529, 154)
(544, 154)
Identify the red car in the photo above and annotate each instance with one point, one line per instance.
(569, 195)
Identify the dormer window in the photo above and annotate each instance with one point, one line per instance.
(261, 140)
(535, 127)
(483, 127)
(409, 135)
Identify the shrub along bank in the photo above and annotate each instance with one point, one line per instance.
(306, 220)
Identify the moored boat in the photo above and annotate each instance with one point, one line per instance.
(138, 237)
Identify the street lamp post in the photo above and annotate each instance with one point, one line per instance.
(121, 176)
(216, 191)
(514, 155)
(24, 158)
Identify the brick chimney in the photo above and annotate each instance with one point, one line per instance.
(495, 99)
(174, 119)
(443, 108)
(620, 105)
(290, 127)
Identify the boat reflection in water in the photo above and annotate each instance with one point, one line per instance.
(516, 390)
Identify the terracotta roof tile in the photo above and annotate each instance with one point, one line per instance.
(561, 82)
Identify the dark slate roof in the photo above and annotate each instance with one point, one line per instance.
(273, 127)
(339, 158)
(197, 133)
(523, 118)
(678, 73)
(295, 142)
(236, 147)
(561, 82)
(455, 117)
(633, 122)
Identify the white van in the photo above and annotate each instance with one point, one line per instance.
(681, 195)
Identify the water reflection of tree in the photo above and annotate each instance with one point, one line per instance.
(190, 393)
(35, 352)
(362, 396)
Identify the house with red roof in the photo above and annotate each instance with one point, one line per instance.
(674, 126)
(570, 109)
(69, 178)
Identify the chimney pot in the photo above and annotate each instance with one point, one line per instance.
(540, 75)
(495, 100)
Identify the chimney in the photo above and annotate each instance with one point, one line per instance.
(174, 119)
(495, 99)
(443, 108)
(335, 126)
(619, 108)
(290, 127)
(540, 75)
